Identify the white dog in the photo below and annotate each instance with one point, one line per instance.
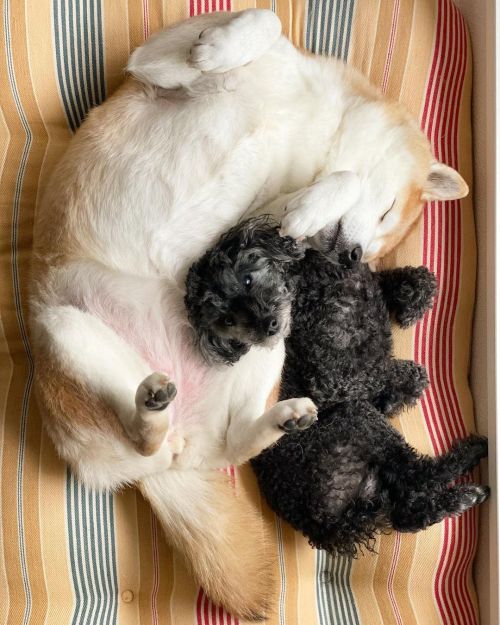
(223, 118)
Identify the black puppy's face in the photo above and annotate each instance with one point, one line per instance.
(239, 293)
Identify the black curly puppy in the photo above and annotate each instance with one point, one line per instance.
(352, 474)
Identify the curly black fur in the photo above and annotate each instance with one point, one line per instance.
(240, 292)
(352, 474)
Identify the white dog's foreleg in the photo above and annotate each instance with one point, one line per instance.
(304, 213)
(93, 354)
(247, 437)
(215, 42)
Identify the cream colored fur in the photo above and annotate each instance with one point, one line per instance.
(222, 118)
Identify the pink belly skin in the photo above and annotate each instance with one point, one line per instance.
(167, 350)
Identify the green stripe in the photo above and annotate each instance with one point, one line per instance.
(79, 56)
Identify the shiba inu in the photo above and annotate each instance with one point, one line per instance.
(222, 118)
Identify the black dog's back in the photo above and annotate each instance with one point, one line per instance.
(341, 339)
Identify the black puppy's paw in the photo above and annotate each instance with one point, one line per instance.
(409, 292)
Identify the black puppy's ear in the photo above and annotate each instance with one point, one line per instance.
(219, 351)
(285, 249)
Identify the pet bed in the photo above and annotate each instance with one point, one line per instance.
(69, 555)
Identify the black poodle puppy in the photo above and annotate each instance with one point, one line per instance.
(240, 292)
(351, 474)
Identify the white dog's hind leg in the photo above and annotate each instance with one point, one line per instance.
(92, 353)
(242, 40)
(247, 437)
(216, 42)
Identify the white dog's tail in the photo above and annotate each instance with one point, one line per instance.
(220, 535)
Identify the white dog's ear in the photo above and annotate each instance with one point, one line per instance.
(444, 183)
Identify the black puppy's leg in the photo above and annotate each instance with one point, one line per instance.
(404, 385)
(408, 292)
(421, 508)
(463, 456)
(419, 488)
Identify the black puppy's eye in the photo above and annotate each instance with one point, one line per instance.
(247, 280)
(228, 321)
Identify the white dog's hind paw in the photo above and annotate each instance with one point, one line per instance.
(216, 51)
(155, 392)
(296, 414)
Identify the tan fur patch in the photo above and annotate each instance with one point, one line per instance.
(233, 562)
(68, 406)
(410, 211)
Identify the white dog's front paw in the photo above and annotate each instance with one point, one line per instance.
(296, 414)
(155, 393)
(322, 203)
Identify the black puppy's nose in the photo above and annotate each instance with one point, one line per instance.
(356, 254)
(272, 327)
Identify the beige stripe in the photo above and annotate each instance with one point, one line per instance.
(53, 536)
(116, 42)
(127, 555)
(4, 140)
(6, 371)
(421, 583)
(175, 11)
(135, 24)
(364, 589)
(363, 33)
(166, 577)
(155, 15)
(307, 613)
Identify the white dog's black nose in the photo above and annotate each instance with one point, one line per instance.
(356, 254)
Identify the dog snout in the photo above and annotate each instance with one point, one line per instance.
(351, 256)
(272, 326)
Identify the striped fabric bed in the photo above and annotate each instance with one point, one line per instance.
(71, 556)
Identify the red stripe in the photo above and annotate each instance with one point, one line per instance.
(145, 17)
(191, 8)
(454, 602)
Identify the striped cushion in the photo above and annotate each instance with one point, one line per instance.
(68, 555)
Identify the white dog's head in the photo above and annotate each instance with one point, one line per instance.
(397, 174)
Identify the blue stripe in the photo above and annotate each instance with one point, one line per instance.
(92, 554)
(79, 56)
(320, 16)
(334, 597)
